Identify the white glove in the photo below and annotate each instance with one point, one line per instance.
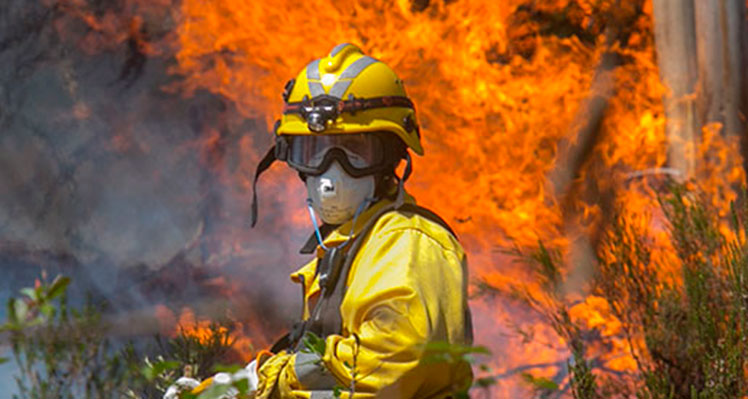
(251, 371)
(182, 384)
(248, 373)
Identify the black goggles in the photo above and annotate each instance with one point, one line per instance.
(359, 154)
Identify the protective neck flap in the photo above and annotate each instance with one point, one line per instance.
(264, 164)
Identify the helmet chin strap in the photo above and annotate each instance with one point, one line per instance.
(400, 199)
(267, 160)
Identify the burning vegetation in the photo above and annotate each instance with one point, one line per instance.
(593, 178)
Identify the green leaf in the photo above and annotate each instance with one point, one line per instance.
(20, 310)
(30, 292)
(11, 306)
(445, 352)
(485, 382)
(47, 310)
(540, 383)
(58, 287)
(4, 360)
(479, 349)
(314, 344)
(439, 346)
(242, 385)
(462, 395)
(215, 391)
(456, 350)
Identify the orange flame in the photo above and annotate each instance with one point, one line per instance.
(495, 95)
(200, 329)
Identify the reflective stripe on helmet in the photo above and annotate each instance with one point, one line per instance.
(316, 89)
(312, 70)
(343, 80)
(339, 88)
(357, 67)
(312, 75)
(353, 70)
(339, 47)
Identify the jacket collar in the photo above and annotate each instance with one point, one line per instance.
(334, 235)
(338, 236)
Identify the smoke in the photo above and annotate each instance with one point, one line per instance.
(137, 192)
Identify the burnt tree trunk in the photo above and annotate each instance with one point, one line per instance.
(701, 49)
(675, 41)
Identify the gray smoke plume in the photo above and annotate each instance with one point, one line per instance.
(130, 189)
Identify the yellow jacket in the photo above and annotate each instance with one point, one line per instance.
(406, 288)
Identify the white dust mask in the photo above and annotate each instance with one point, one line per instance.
(336, 195)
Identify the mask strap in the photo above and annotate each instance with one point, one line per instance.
(264, 164)
(364, 204)
(400, 200)
(314, 223)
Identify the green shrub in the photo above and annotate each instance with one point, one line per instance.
(67, 353)
(694, 326)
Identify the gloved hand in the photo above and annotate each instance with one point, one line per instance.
(251, 374)
(269, 373)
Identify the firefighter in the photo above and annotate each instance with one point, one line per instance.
(389, 277)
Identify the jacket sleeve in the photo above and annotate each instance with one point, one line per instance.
(405, 289)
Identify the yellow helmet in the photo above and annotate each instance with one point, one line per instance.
(335, 100)
(349, 92)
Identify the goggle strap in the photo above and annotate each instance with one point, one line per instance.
(400, 199)
(408, 167)
(264, 164)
